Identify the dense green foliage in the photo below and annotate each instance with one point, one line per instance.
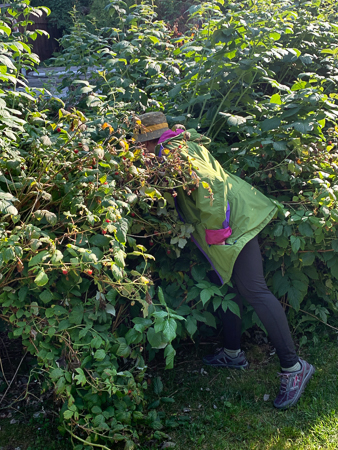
(84, 212)
(61, 10)
(260, 80)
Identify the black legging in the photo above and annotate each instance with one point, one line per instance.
(250, 283)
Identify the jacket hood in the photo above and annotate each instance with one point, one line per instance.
(192, 135)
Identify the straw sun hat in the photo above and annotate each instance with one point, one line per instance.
(150, 126)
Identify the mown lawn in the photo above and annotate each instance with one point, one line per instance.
(228, 410)
(225, 409)
(34, 434)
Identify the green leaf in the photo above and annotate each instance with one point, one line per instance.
(68, 414)
(305, 229)
(96, 410)
(99, 240)
(206, 294)
(99, 355)
(8, 254)
(56, 373)
(217, 300)
(232, 306)
(276, 99)
(96, 342)
(22, 294)
(51, 217)
(295, 243)
(56, 257)
(334, 245)
(161, 297)
(7, 62)
(34, 308)
(63, 325)
(271, 124)
(156, 340)
(210, 319)
(51, 331)
(37, 259)
(191, 325)
(175, 91)
(157, 385)
(278, 231)
(193, 293)
(334, 270)
(279, 146)
(123, 349)
(169, 354)
(76, 315)
(80, 377)
(198, 273)
(308, 258)
(169, 329)
(41, 278)
(294, 297)
(46, 296)
(119, 258)
(121, 231)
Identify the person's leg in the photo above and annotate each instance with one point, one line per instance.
(232, 324)
(250, 282)
(230, 355)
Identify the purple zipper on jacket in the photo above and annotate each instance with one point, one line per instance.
(225, 225)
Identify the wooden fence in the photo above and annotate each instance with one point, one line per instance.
(42, 46)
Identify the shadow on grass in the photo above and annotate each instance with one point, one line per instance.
(233, 410)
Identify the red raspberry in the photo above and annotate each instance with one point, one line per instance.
(76, 151)
(168, 251)
(180, 146)
(106, 182)
(104, 231)
(64, 271)
(261, 146)
(89, 271)
(90, 167)
(107, 220)
(116, 173)
(330, 142)
(124, 158)
(132, 214)
(151, 243)
(58, 130)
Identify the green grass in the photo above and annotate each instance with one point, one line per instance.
(243, 420)
(32, 434)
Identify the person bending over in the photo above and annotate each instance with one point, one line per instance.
(226, 233)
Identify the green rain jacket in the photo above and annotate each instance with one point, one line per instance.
(236, 204)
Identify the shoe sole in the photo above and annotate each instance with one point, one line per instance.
(301, 390)
(224, 366)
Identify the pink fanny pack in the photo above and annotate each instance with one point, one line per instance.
(217, 237)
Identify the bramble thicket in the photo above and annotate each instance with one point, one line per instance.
(97, 273)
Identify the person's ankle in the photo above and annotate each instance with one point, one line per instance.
(295, 368)
(232, 353)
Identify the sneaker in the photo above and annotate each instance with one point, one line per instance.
(222, 359)
(293, 385)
